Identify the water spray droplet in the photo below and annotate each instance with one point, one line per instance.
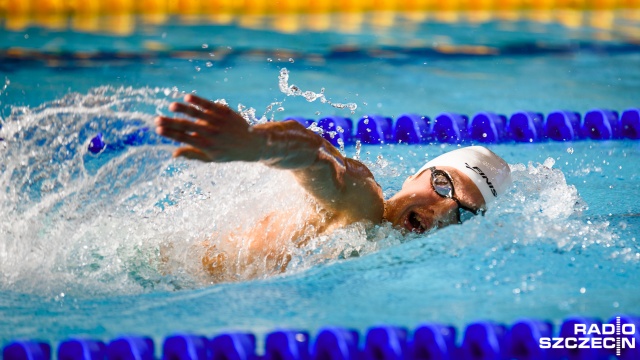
(310, 96)
(358, 148)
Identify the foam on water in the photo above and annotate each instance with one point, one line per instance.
(134, 220)
(540, 208)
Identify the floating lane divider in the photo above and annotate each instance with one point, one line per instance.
(578, 338)
(483, 127)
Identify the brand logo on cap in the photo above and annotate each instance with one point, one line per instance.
(481, 173)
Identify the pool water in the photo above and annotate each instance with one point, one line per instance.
(100, 245)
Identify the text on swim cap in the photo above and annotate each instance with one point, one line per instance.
(479, 172)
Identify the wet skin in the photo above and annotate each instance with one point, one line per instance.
(417, 207)
(344, 188)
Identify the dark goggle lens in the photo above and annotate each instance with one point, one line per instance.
(442, 185)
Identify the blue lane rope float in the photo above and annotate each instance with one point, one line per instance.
(27, 350)
(411, 129)
(141, 136)
(630, 124)
(96, 144)
(131, 348)
(563, 126)
(232, 346)
(334, 343)
(526, 126)
(487, 127)
(374, 129)
(82, 349)
(601, 124)
(523, 339)
(183, 346)
(447, 127)
(483, 340)
(287, 345)
(433, 341)
(385, 342)
(336, 128)
(302, 120)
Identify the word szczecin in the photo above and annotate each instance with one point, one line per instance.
(608, 338)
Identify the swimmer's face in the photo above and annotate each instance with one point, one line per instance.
(417, 207)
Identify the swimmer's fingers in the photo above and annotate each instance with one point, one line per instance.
(208, 111)
(204, 103)
(215, 112)
(191, 153)
(183, 125)
(191, 111)
(194, 140)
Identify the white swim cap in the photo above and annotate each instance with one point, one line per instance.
(488, 171)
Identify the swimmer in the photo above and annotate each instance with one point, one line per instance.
(446, 190)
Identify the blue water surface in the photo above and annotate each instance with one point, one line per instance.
(80, 250)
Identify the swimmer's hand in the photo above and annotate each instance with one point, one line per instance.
(218, 134)
(342, 185)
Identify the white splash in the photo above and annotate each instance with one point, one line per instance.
(131, 219)
(310, 96)
(548, 209)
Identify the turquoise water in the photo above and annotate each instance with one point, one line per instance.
(84, 239)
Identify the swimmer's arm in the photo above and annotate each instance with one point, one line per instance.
(342, 185)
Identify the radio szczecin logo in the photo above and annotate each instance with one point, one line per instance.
(607, 336)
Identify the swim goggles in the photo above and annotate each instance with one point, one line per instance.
(442, 184)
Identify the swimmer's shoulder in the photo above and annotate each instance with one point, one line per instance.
(364, 199)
